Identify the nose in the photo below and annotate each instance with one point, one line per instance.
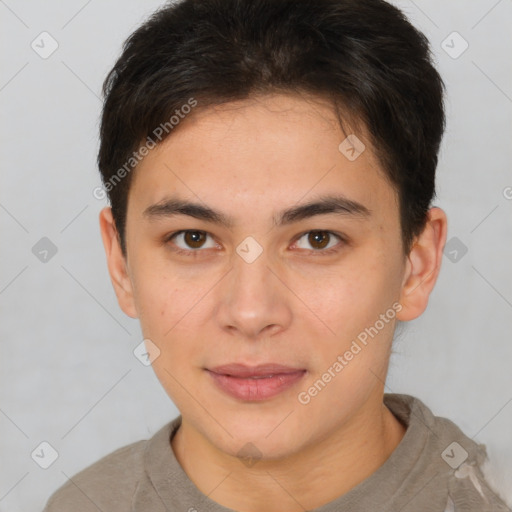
(253, 300)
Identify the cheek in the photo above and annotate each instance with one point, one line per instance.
(347, 295)
(173, 311)
(349, 364)
(162, 300)
(351, 300)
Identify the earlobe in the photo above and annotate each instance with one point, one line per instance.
(116, 263)
(423, 266)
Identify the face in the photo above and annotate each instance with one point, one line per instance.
(260, 255)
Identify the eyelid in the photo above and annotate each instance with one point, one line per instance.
(175, 234)
(342, 240)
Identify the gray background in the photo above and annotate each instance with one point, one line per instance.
(68, 373)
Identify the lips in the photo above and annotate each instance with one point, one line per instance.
(255, 383)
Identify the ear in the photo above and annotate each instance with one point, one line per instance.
(117, 265)
(423, 266)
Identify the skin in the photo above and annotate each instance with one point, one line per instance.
(292, 305)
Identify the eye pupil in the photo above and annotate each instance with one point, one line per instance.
(194, 238)
(318, 237)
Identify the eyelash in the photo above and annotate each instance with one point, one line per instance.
(316, 252)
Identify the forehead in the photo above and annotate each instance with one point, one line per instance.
(274, 149)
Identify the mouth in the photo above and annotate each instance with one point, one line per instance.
(255, 383)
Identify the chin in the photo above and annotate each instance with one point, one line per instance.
(256, 443)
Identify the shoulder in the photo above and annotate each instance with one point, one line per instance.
(108, 484)
(460, 464)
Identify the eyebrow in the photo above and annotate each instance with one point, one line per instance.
(340, 205)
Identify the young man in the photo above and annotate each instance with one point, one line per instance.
(271, 167)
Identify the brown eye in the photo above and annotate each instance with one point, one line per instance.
(191, 241)
(194, 239)
(319, 239)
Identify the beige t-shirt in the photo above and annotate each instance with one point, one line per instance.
(435, 468)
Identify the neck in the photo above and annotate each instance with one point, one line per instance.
(305, 480)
